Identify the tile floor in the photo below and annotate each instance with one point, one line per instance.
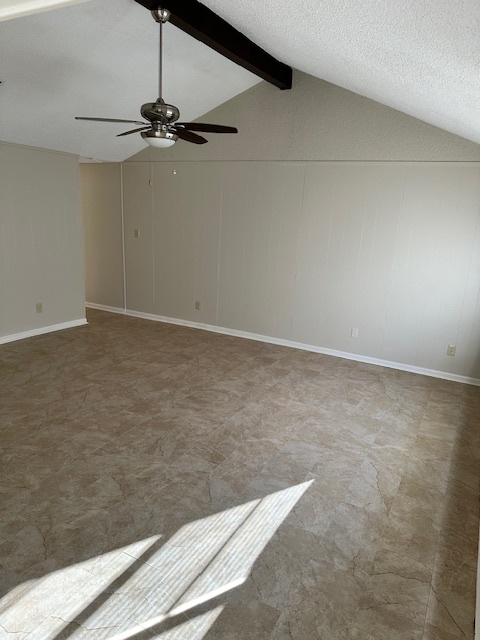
(158, 481)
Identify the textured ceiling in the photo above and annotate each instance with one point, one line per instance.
(421, 57)
(99, 59)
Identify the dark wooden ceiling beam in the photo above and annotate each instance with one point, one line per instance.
(203, 24)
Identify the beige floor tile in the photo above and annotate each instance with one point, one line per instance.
(164, 482)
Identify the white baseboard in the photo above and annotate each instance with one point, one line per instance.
(41, 330)
(103, 307)
(432, 373)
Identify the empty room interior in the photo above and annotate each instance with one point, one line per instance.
(239, 320)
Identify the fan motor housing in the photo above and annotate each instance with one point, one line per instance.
(160, 111)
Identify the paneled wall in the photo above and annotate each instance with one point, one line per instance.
(327, 212)
(102, 237)
(40, 240)
(308, 251)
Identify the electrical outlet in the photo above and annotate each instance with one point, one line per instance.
(354, 333)
(39, 307)
(136, 233)
(451, 350)
(198, 305)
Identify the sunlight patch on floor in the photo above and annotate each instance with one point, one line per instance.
(150, 584)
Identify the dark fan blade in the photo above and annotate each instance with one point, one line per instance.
(127, 133)
(189, 136)
(207, 128)
(111, 120)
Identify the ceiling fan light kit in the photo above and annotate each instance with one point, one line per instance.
(159, 139)
(160, 128)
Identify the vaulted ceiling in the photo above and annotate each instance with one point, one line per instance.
(99, 58)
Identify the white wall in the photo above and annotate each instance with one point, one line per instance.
(102, 237)
(40, 241)
(307, 251)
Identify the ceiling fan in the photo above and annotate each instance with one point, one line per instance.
(160, 127)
